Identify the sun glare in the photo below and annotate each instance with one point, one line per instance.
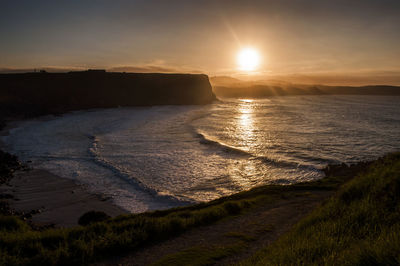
(248, 59)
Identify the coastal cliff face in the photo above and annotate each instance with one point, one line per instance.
(48, 93)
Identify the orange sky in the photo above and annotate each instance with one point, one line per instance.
(305, 40)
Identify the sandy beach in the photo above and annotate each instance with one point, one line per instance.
(59, 201)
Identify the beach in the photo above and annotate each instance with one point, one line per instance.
(50, 200)
(57, 201)
(237, 226)
(200, 133)
(153, 158)
(160, 157)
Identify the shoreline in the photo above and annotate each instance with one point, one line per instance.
(54, 200)
(46, 199)
(227, 230)
(49, 199)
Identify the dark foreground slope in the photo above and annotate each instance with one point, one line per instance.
(359, 226)
(49, 93)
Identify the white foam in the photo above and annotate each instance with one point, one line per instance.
(152, 157)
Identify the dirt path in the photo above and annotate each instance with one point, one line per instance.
(251, 231)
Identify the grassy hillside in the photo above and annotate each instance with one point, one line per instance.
(359, 226)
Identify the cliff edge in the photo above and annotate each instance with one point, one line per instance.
(48, 93)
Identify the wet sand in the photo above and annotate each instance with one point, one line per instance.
(59, 201)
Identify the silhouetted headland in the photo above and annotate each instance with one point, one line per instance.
(32, 94)
(235, 88)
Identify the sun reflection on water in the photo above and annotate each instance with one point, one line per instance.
(245, 124)
(243, 173)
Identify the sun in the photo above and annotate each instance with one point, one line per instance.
(248, 59)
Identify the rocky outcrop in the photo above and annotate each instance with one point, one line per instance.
(48, 93)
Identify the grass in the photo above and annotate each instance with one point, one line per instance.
(22, 245)
(360, 225)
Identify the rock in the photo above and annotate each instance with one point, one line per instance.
(33, 94)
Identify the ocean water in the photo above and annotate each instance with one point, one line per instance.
(159, 157)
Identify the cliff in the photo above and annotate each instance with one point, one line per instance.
(48, 93)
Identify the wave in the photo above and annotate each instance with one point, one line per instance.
(250, 156)
(286, 164)
(224, 147)
(162, 196)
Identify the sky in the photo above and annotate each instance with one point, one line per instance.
(296, 37)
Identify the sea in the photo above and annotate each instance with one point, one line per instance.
(148, 158)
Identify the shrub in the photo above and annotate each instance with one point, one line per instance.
(92, 217)
(232, 207)
(12, 223)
